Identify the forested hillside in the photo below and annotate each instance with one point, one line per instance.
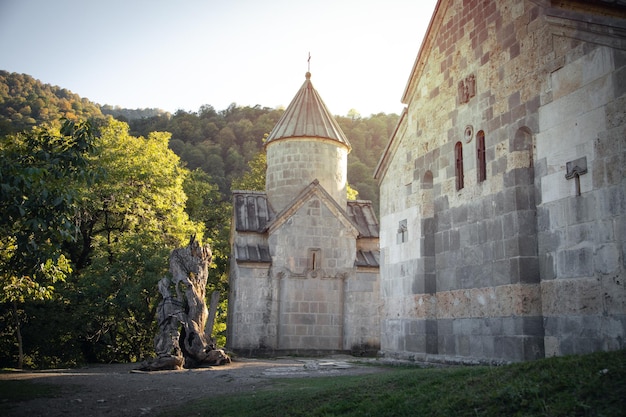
(220, 142)
(26, 102)
(92, 210)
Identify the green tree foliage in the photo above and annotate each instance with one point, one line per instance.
(206, 206)
(130, 220)
(254, 178)
(26, 102)
(231, 140)
(40, 176)
(368, 137)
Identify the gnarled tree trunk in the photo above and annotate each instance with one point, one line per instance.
(187, 310)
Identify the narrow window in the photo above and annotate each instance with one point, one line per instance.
(480, 155)
(458, 156)
(314, 259)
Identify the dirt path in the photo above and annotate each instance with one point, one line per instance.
(115, 390)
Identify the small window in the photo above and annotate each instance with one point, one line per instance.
(480, 155)
(458, 156)
(403, 232)
(315, 259)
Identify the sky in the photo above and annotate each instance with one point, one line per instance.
(180, 55)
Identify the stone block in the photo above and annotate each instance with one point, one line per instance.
(444, 327)
(459, 215)
(501, 272)
(614, 290)
(581, 208)
(533, 348)
(509, 348)
(611, 202)
(462, 326)
(527, 245)
(511, 247)
(491, 326)
(527, 222)
(439, 244)
(606, 259)
(446, 345)
(463, 346)
(483, 232)
(443, 219)
(488, 253)
(527, 268)
(532, 326)
(430, 283)
(414, 343)
(455, 240)
(576, 262)
(474, 211)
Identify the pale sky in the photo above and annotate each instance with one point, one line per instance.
(186, 53)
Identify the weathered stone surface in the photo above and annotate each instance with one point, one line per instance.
(182, 318)
(521, 245)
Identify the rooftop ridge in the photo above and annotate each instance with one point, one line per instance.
(307, 116)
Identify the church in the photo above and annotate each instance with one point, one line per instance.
(503, 187)
(304, 275)
(502, 233)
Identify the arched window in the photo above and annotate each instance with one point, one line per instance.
(480, 155)
(458, 156)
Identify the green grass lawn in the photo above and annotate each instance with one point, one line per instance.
(589, 385)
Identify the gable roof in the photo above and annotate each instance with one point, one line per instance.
(258, 253)
(252, 213)
(251, 210)
(362, 214)
(313, 189)
(307, 116)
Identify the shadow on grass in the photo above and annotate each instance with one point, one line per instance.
(589, 385)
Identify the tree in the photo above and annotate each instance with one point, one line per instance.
(130, 219)
(40, 176)
(205, 204)
(254, 178)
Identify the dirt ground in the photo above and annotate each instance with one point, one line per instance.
(118, 390)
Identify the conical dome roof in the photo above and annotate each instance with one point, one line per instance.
(307, 116)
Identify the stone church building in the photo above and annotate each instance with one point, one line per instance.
(304, 274)
(503, 202)
(503, 188)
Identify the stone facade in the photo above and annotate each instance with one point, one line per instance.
(503, 191)
(304, 272)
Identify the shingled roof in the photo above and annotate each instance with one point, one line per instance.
(362, 214)
(307, 116)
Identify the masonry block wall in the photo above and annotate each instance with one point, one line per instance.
(487, 251)
(293, 163)
(310, 296)
(312, 256)
(251, 311)
(582, 221)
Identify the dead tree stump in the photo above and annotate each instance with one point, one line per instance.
(182, 318)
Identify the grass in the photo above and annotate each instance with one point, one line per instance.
(589, 385)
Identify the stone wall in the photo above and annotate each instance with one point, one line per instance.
(312, 256)
(252, 309)
(581, 237)
(292, 164)
(471, 271)
(312, 298)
